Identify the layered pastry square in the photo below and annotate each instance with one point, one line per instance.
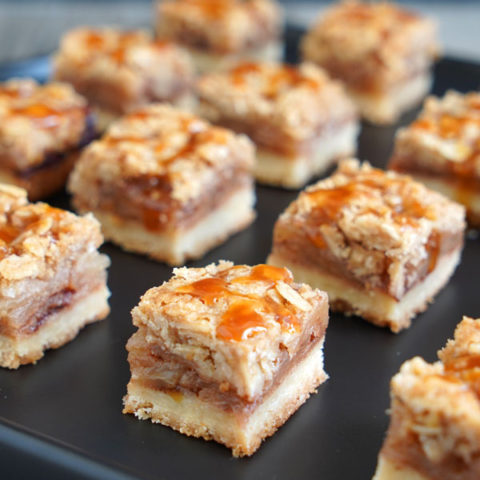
(218, 33)
(380, 244)
(119, 71)
(434, 428)
(226, 353)
(300, 120)
(382, 52)
(166, 183)
(42, 130)
(52, 277)
(442, 149)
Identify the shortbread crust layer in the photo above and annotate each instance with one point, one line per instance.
(243, 433)
(59, 328)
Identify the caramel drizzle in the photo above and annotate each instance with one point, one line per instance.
(465, 368)
(213, 9)
(277, 80)
(9, 233)
(243, 318)
(450, 127)
(117, 50)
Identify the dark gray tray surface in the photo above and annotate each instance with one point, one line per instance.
(62, 417)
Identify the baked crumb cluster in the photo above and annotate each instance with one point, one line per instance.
(220, 26)
(278, 105)
(122, 70)
(445, 139)
(371, 46)
(380, 226)
(435, 426)
(35, 238)
(37, 121)
(159, 153)
(235, 323)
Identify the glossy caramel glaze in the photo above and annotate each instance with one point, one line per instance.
(244, 316)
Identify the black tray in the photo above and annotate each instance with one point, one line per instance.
(62, 417)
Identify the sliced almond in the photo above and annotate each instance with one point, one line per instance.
(289, 294)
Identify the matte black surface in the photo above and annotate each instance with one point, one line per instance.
(62, 417)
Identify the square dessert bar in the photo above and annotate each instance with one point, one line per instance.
(442, 149)
(380, 244)
(218, 33)
(382, 52)
(118, 71)
(166, 183)
(226, 352)
(300, 120)
(42, 130)
(434, 428)
(52, 278)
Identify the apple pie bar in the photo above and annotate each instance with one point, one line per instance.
(166, 183)
(434, 431)
(42, 130)
(119, 71)
(442, 149)
(380, 244)
(52, 277)
(381, 51)
(300, 120)
(227, 353)
(218, 33)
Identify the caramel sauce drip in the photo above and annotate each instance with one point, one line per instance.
(116, 51)
(243, 318)
(282, 78)
(241, 321)
(214, 9)
(42, 115)
(465, 368)
(9, 233)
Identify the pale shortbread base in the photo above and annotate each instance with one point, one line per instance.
(373, 305)
(176, 246)
(206, 62)
(386, 470)
(467, 197)
(196, 417)
(60, 328)
(386, 108)
(276, 169)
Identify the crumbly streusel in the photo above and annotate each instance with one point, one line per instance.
(139, 68)
(37, 120)
(377, 222)
(441, 400)
(446, 136)
(295, 101)
(387, 41)
(35, 237)
(161, 144)
(224, 26)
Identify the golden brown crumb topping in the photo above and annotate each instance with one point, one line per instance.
(378, 222)
(34, 237)
(380, 37)
(222, 25)
(236, 303)
(36, 120)
(119, 48)
(450, 127)
(163, 146)
(442, 399)
(297, 100)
